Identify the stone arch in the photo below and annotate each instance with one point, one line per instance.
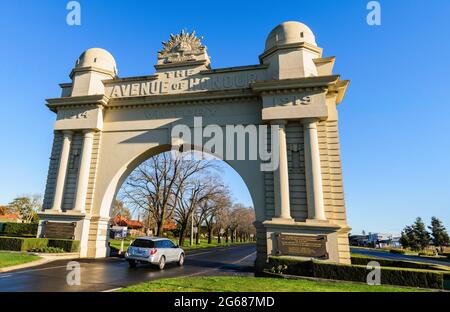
(115, 123)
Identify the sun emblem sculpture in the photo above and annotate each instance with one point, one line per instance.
(183, 47)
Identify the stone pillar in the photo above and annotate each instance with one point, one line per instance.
(62, 170)
(314, 190)
(83, 172)
(281, 176)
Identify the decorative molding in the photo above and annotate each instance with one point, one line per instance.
(183, 47)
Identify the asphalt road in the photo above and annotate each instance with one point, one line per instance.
(387, 255)
(112, 273)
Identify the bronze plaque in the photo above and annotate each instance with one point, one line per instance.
(302, 245)
(59, 230)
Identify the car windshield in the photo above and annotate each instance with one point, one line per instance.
(144, 243)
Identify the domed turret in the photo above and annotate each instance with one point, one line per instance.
(91, 68)
(290, 51)
(98, 58)
(290, 32)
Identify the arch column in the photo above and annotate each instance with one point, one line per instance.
(281, 175)
(62, 171)
(314, 189)
(83, 173)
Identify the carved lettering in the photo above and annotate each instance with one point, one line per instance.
(186, 81)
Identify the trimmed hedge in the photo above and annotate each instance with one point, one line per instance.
(397, 251)
(395, 263)
(28, 244)
(67, 245)
(22, 243)
(358, 273)
(18, 229)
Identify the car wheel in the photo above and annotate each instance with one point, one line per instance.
(162, 263)
(181, 260)
(132, 263)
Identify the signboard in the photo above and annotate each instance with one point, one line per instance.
(62, 230)
(302, 245)
(119, 232)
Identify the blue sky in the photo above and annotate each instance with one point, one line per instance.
(393, 122)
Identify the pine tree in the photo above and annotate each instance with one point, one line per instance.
(420, 234)
(439, 233)
(415, 236)
(407, 239)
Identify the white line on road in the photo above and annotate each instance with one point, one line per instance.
(5, 275)
(112, 290)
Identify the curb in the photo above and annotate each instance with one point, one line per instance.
(45, 258)
(25, 265)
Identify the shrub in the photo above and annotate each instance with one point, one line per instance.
(67, 245)
(48, 250)
(358, 273)
(22, 243)
(397, 251)
(427, 253)
(360, 260)
(18, 229)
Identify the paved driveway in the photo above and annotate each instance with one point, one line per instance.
(112, 273)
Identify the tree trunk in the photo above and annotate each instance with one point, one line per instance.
(197, 235)
(219, 240)
(226, 236)
(160, 225)
(209, 236)
(182, 235)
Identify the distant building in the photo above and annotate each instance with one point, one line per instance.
(12, 217)
(376, 240)
(381, 240)
(358, 240)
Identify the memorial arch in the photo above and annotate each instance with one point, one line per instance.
(105, 126)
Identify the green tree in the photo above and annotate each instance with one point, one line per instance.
(407, 239)
(415, 236)
(421, 233)
(27, 207)
(439, 233)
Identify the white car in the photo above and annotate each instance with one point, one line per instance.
(154, 250)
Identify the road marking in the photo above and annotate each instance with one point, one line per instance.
(218, 268)
(5, 275)
(240, 260)
(112, 290)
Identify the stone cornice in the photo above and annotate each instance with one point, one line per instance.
(234, 69)
(296, 84)
(182, 64)
(340, 88)
(290, 46)
(130, 79)
(182, 98)
(77, 101)
(88, 69)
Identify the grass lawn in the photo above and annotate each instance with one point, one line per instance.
(255, 284)
(11, 258)
(203, 243)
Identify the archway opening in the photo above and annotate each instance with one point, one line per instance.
(195, 199)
